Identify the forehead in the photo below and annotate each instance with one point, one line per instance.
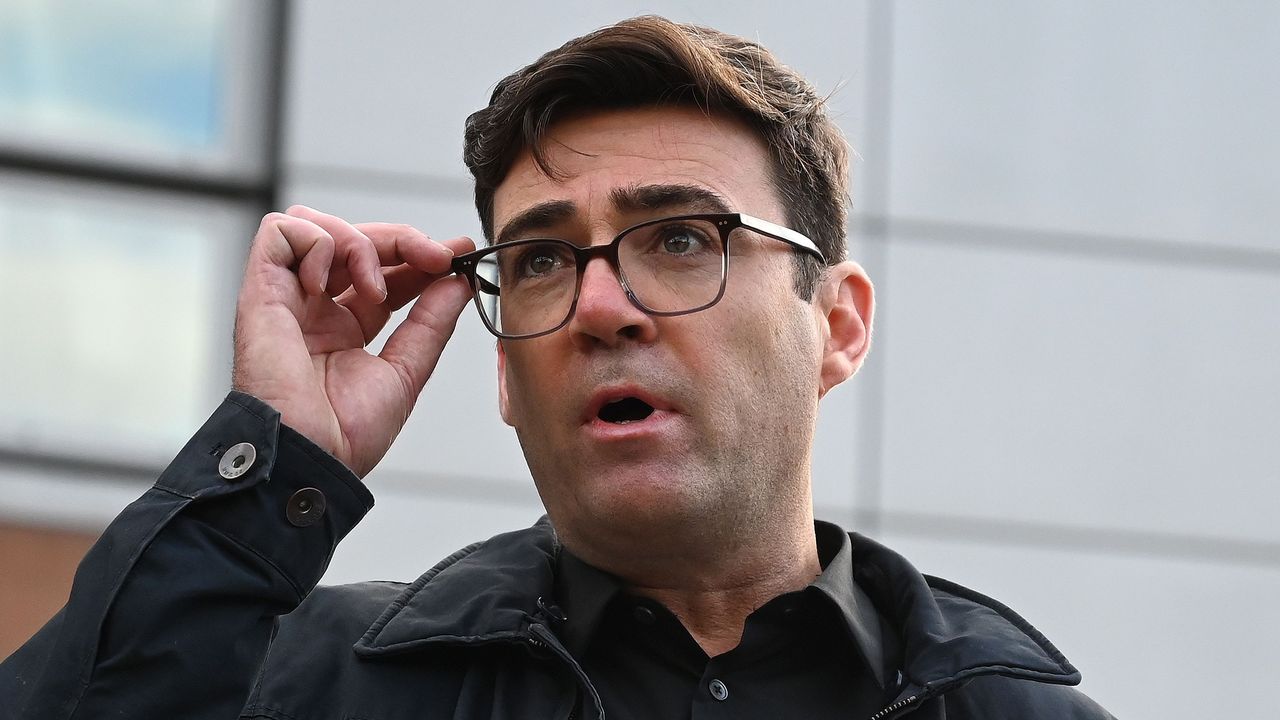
(598, 154)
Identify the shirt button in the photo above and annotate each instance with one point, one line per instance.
(643, 615)
(237, 461)
(306, 507)
(719, 690)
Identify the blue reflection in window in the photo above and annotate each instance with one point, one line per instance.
(131, 72)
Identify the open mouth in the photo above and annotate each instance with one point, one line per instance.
(625, 410)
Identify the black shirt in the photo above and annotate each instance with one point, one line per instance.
(820, 652)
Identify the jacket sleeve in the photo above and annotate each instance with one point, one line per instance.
(172, 609)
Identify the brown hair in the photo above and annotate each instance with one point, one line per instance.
(653, 61)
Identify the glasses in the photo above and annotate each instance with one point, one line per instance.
(672, 266)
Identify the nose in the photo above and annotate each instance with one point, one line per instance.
(605, 315)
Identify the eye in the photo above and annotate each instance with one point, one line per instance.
(539, 264)
(535, 260)
(682, 240)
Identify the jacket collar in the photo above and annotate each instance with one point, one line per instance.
(483, 593)
(490, 592)
(951, 633)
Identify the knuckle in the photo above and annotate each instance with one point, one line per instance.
(271, 220)
(435, 323)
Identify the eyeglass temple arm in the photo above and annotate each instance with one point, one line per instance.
(784, 234)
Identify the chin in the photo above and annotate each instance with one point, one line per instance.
(644, 505)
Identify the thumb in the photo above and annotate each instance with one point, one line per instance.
(415, 346)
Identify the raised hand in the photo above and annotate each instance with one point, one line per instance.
(318, 289)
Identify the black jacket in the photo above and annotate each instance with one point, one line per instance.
(192, 606)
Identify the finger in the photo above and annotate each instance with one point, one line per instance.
(404, 283)
(339, 282)
(289, 242)
(404, 244)
(409, 280)
(353, 250)
(415, 346)
(459, 245)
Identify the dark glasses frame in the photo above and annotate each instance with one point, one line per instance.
(467, 263)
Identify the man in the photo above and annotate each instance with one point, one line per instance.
(669, 286)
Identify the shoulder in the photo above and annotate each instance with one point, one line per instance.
(364, 599)
(336, 614)
(998, 697)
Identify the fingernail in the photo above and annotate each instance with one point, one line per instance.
(382, 287)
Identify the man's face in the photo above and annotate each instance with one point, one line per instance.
(734, 388)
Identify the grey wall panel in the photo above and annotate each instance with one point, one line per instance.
(1154, 637)
(835, 447)
(1083, 391)
(830, 44)
(439, 209)
(409, 531)
(386, 86)
(1151, 119)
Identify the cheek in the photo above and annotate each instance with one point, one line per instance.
(740, 365)
(518, 378)
(773, 329)
(783, 357)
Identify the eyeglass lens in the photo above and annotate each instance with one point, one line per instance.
(670, 267)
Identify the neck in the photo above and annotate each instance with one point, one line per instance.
(713, 586)
(715, 616)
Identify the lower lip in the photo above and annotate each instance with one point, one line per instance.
(658, 422)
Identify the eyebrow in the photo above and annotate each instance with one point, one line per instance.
(542, 215)
(686, 198)
(630, 199)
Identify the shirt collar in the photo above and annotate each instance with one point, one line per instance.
(584, 592)
(867, 628)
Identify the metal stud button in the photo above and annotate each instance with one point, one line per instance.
(719, 690)
(306, 507)
(643, 615)
(237, 461)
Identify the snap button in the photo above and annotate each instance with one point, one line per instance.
(719, 690)
(551, 611)
(306, 507)
(643, 615)
(237, 461)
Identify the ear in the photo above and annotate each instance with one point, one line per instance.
(504, 405)
(846, 306)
